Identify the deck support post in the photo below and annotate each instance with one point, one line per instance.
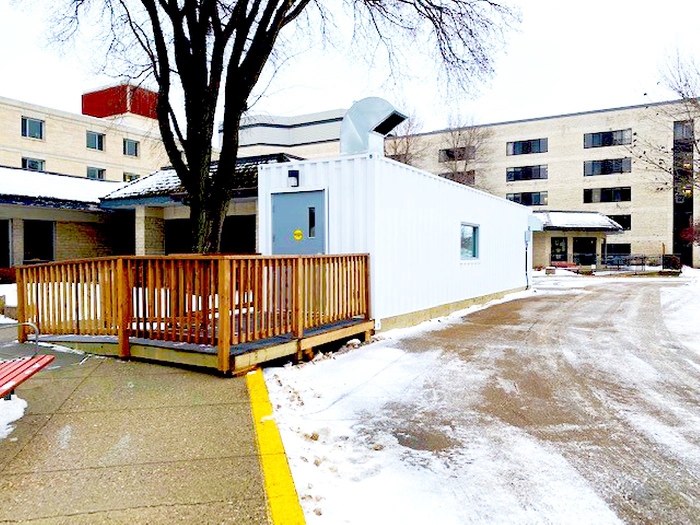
(368, 291)
(123, 308)
(298, 328)
(224, 332)
(21, 307)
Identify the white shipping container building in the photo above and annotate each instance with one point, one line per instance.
(435, 245)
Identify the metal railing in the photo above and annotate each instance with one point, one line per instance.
(624, 262)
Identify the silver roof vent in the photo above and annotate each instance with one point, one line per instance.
(366, 124)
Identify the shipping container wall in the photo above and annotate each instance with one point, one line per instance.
(418, 256)
(410, 223)
(348, 185)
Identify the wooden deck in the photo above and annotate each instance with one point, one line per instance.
(225, 312)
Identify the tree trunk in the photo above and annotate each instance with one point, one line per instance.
(206, 223)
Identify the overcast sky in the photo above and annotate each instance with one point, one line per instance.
(565, 56)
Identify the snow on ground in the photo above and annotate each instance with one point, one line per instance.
(341, 418)
(10, 411)
(347, 471)
(682, 309)
(10, 293)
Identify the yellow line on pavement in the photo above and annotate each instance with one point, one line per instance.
(282, 498)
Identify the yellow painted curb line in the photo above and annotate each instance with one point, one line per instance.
(282, 499)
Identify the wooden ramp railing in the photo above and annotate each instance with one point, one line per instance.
(218, 301)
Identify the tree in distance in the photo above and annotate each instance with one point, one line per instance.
(208, 53)
(675, 167)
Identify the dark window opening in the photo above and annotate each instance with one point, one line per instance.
(525, 147)
(5, 243)
(32, 164)
(38, 241)
(559, 249)
(453, 154)
(584, 249)
(623, 220)
(32, 128)
(96, 173)
(131, 148)
(534, 198)
(526, 173)
(95, 140)
(607, 166)
(237, 236)
(468, 178)
(607, 195)
(607, 138)
(312, 222)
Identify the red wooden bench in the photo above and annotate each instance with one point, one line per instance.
(16, 371)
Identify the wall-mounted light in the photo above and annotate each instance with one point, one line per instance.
(293, 178)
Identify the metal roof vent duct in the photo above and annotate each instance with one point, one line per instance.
(366, 124)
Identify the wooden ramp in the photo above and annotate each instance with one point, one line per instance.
(224, 312)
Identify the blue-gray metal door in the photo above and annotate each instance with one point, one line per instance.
(298, 223)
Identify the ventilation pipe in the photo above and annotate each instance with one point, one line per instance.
(366, 124)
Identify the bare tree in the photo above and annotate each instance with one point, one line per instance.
(674, 166)
(405, 144)
(463, 153)
(217, 49)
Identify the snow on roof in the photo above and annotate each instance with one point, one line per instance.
(576, 220)
(161, 182)
(166, 181)
(23, 183)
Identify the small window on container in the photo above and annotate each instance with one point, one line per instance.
(312, 222)
(469, 242)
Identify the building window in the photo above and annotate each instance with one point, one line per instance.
(95, 141)
(32, 164)
(623, 220)
(531, 198)
(468, 178)
(131, 148)
(469, 242)
(524, 147)
(526, 173)
(128, 177)
(607, 138)
(560, 249)
(32, 128)
(607, 166)
(96, 173)
(38, 241)
(607, 194)
(683, 130)
(618, 249)
(455, 154)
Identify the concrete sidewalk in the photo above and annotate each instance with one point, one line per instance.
(104, 440)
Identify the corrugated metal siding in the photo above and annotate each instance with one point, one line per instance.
(419, 216)
(409, 221)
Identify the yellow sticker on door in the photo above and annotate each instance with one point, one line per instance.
(298, 235)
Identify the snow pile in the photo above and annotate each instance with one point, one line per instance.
(10, 411)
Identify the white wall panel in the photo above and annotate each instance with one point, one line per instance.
(409, 221)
